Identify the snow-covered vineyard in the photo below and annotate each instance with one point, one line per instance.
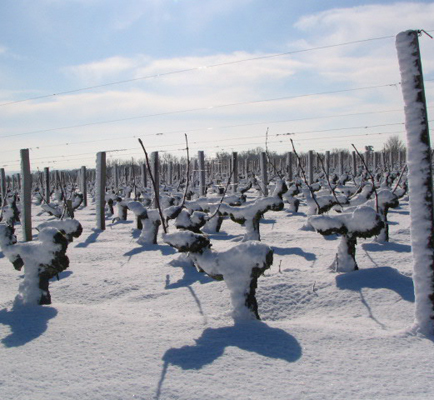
(268, 279)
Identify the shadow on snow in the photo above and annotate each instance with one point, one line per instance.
(377, 278)
(280, 251)
(387, 246)
(253, 336)
(91, 238)
(26, 323)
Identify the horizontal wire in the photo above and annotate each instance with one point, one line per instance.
(17, 162)
(158, 75)
(202, 109)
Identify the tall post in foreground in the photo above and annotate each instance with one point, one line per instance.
(419, 179)
(83, 184)
(26, 195)
(101, 174)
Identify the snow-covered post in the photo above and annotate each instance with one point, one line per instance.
(155, 169)
(234, 171)
(202, 185)
(26, 195)
(101, 171)
(419, 178)
(3, 189)
(264, 175)
(310, 166)
(83, 184)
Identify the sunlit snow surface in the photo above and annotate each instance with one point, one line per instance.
(138, 322)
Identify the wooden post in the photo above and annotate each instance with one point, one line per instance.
(144, 176)
(170, 173)
(116, 177)
(83, 184)
(367, 159)
(26, 196)
(101, 175)
(327, 162)
(354, 159)
(3, 188)
(310, 166)
(47, 190)
(341, 162)
(289, 165)
(201, 163)
(155, 169)
(234, 171)
(264, 174)
(419, 179)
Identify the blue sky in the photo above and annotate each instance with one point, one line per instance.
(53, 46)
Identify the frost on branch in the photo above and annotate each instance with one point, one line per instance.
(364, 222)
(240, 267)
(42, 260)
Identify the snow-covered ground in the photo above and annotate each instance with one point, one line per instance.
(138, 322)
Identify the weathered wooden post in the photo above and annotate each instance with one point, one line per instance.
(170, 173)
(143, 175)
(101, 176)
(155, 169)
(264, 174)
(47, 190)
(26, 196)
(115, 177)
(234, 171)
(367, 159)
(354, 159)
(289, 164)
(419, 179)
(3, 188)
(83, 184)
(201, 167)
(341, 162)
(327, 162)
(310, 166)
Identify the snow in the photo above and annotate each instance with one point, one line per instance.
(139, 322)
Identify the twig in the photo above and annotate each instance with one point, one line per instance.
(156, 191)
(222, 198)
(188, 172)
(370, 175)
(304, 177)
(328, 179)
(269, 158)
(400, 177)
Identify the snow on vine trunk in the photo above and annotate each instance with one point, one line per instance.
(419, 177)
